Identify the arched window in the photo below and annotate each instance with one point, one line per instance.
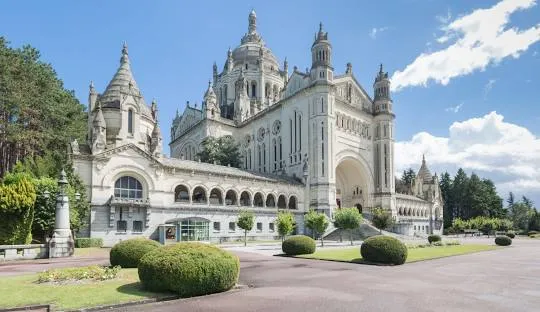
(199, 195)
(258, 200)
(128, 188)
(230, 198)
(282, 202)
(275, 153)
(216, 198)
(181, 194)
(270, 201)
(245, 199)
(264, 157)
(292, 202)
(130, 121)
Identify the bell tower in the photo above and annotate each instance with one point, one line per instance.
(321, 57)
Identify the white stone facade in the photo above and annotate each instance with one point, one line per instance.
(316, 136)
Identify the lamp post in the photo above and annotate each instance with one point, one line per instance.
(61, 244)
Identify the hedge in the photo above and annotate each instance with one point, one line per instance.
(298, 245)
(532, 233)
(128, 253)
(511, 235)
(503, 240)
(383, 249)
(85, 242)
(189, 269)
(433, 238)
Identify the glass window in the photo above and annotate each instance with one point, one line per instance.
(128, 187)
(259, 226)
(121, 226)
(137, 226)
(217, 226)
(232, 226)
(130, 121)
(194, 230)
(271, 226)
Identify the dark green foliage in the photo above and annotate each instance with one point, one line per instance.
(382, 219)
(433, 238)
(85, 242)
(189, 269)
(285, 223)
(534, 221)
(511, 235)
(17, 198)
(316, 222)
(298, 245)
(503, 241)
(37, 115)
(128, 253)
(223, 151)
(384, 249)
(531, 233)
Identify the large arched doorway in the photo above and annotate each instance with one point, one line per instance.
(353, 184)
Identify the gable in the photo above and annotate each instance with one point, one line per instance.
(348, 90)
(189, 118)
(295, 83)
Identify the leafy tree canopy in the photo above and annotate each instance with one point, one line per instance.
(382, 219)
(222, 151)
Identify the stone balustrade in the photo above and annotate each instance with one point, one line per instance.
(21, 252)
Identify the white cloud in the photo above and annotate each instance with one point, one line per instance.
(506, 153)
(444, 19)
(454, 109)
(375, 31)
(478, 39)
(488, 87)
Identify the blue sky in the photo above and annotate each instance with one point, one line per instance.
(450, 61)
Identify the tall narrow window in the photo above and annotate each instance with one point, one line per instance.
(295, 133)
(299, 132)
(249, 155)
(259, 150)
(385, 166)
(280, 153)
(130, 121)
(290, 134)
(264, 157)
(275, 154)
(253, 89)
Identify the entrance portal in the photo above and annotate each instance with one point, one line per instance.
(352, 184)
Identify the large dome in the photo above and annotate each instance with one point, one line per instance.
(250, 53)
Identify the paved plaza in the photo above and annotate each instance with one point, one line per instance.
(507, 279)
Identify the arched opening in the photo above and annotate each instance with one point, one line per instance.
(199, 195)
(245, 199)
(292, 202)
(282, 202)
(253, 89)
(352, 184)
(216, 198)
(231, 198)
(359, 207)
(258, 200)
(270, 201)
(128, 188)
(181, 194)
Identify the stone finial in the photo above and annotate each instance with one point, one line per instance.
(349, 68)
(91, 85)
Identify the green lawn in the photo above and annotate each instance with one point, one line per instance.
(91, 252)
(352, 254)
(22, 290)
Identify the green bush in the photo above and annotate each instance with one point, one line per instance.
(452, 243)
(95, 272)
(128, 253)
(433, 238)
(511, 235)
(503, 240)
(298, 245)
(384, 249)
(531, 233)
(189, 269)
(85, 242)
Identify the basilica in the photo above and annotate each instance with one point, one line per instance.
(309, 140)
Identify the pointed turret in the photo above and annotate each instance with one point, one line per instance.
(381, 90)
(156, 140)
(210, 103)
(424, 172)
(214, 73)
(99, 131)
(252, 35)
(321, 57)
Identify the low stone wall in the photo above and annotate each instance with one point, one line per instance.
(20, 252)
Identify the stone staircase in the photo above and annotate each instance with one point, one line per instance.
(364, 231)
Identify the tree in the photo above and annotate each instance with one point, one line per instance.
(316, 222)
(446, 191)
(37, 115)
(534, 221)
(459, 189)
(222, 151)
(245, 222)
(285, 223)
(17, 197)
(382, 219)
(347, 219)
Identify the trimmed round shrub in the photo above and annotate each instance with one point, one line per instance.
(298, 245)
(189, 269)
(511, 235)
(433, 238)
(128, 253)
(503, 240)
(384, 249)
